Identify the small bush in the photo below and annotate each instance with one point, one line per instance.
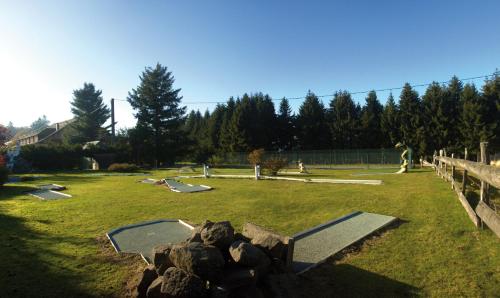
(255, 157)
(4, 175)
(274, 164)
(215, 160)
(123, 167)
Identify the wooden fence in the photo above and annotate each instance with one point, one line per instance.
(488, 175)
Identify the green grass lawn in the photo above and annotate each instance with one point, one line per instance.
(56, 248)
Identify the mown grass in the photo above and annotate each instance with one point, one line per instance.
(49, 248)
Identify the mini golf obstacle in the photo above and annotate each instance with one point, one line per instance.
(149, 181)
(51, 187)
(258, 176)
(314, 246)
(141, 238)
(47, 194)
(177, 186)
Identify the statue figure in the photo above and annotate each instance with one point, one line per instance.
(404, 157)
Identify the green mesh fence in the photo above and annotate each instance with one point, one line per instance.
(325, 158)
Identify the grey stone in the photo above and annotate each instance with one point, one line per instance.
(154, 290)
(197, 258)
(246, 254)
(220, 234)
(246, 292)
(177, 283)
(196, 233)
(160, 255)
(272, 243)
(148, 276)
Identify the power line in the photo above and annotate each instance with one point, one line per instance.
(216, 101)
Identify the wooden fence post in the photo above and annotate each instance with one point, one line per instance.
(485, 159)
(452, 173)
(445, 165)
(464, 178)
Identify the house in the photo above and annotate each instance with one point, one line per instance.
(50, 133)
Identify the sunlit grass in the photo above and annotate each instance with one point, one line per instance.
(48, 248)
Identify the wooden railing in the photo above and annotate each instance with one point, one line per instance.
(488, 175)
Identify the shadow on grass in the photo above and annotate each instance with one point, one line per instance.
(344, 280)
(27, 269)
(331, 279)
(8, 192)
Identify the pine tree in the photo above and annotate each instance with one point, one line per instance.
(265, 122)
(437, 118)
(159, 116)
(390, 123)
(242, 126)
(344, 121)
(453, 107)
(215, 125)
(474, 126)
(491, 97)
(90, 114)
(371, 115)
(412, 126)
(311, 123)
(40, 123)
(225, 132)
(285, 126)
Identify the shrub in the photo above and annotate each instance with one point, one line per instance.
(4, 175)
(255, 157)
(52, 156)
(123, 167)
(215, 160)
(274, 164)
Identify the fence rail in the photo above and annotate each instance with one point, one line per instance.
(488, 175)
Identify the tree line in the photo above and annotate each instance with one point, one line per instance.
(452, 115)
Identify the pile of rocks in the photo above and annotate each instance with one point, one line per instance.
(217, 262)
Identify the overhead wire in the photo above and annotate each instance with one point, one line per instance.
(216, 101)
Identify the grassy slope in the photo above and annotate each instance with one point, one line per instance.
(49, 248)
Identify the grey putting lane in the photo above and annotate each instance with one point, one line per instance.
(181, 187)
(46, 194)
(141, 238)
(317, 244)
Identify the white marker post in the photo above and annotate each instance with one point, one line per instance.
(257, 172)
(206, 173)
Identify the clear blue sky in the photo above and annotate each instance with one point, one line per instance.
(218, 49)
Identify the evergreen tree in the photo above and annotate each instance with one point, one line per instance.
(474, 126)
(285, 125)
(371, 115)
(225, 132)
(265, 122)
(241, 125)
(312, 129)
(454, 108)
(159, 116)
(344, 121)
(390, 123)
(491, 101)
(412, 126)
(437, 116)
(215, 126)
(90, 114)
(40, 123)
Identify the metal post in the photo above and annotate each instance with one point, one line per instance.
(113, 117)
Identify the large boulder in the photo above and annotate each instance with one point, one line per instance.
(246, 254)
(177, 283)
(220, 234)
(161, 257)
(196, 233)
(246, 292)
(154, 290)
(197, 258)
(272, 243)
(148, 276)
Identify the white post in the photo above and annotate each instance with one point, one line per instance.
(257, 172)
(205, 171)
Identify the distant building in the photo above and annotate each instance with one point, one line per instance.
(50, 133)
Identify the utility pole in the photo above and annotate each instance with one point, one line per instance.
(113, 117)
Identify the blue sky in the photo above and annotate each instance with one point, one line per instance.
(218, 49)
